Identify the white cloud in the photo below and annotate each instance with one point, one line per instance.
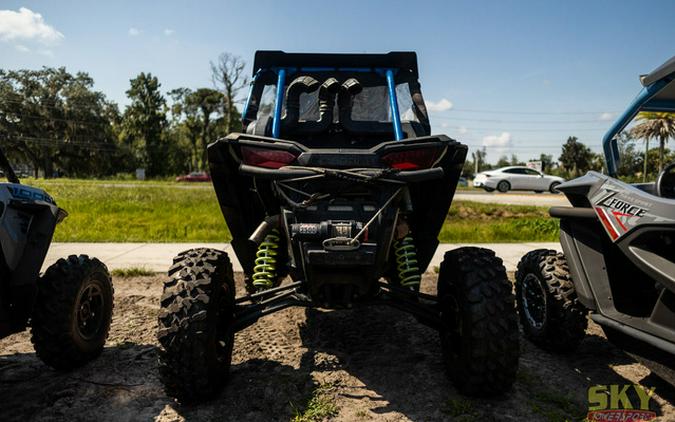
(134, 32)
(442, 105)
(46, 52)
(463, 130)
(499, 141)
(22, 48)
(169, 32)
(27, 25)
(606, 117)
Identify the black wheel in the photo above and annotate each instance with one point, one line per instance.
(195, 325)
(73, 310)
(503, 186)
(554, 187)
(550, 312)
(479, 337)
(488, 189)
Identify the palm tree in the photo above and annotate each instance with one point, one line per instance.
(659, 126)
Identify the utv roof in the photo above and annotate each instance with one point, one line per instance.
(265, 59)
(658, 95)
(666, 69)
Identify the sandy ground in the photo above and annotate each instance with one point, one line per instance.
(373, 364)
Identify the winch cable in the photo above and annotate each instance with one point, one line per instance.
(386, 204)
(350, 174)
(353, 242)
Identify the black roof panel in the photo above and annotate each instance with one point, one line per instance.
(265, 59)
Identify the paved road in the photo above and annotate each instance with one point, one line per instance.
(512, 198)
(158, 256)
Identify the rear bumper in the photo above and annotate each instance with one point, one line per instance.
(290, 173)
(485, 183)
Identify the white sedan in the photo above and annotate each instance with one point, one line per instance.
(516, 178)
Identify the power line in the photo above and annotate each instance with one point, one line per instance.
(548, 113)
(506, 128)
(470, 119)
(59, 119)
(101, 146)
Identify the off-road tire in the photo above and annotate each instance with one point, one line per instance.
(554, 187)
(195, 325)
(564, 319)
(72, 293)
(479, 337)
(503, 186)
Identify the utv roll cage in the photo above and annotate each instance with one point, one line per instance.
(279, 67)
(657, 95)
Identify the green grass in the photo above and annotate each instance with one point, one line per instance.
(459, 407)
(160, 211)
(139, 212)
(320, 406)
(473, 222)
(553, 406)
(131, 272)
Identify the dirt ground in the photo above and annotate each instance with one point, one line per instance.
(367, 364)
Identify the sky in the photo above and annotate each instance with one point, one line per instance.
(517, 77)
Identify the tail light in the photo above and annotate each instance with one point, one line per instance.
(268, 158)
(412, 159)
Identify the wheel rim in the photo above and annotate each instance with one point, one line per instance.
(503, 186)
(533, 297)
(90, 311)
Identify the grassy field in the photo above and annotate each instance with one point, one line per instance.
(111, 211)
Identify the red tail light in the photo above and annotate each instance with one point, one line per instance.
(412, 159)
(268, 158)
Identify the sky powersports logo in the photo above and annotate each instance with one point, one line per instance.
(619, 403)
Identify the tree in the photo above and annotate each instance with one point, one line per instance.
(198, 109)
(659, 126)
(228, 76)
(515, 161)
(503, 161)
(576, 158)
(630, 160)
(55, 121)
(546, 162)
(144, 122)
(476, 165)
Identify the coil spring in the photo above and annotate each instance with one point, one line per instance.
(406, 262)
(265, 269)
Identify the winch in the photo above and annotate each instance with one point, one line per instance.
(325, 230)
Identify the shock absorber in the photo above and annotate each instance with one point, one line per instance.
(265, 269)
(406, 262)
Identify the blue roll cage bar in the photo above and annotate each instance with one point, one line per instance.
(283, 72)
(643, 102)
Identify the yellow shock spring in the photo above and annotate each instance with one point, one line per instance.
(265, 269)
(406, 262)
